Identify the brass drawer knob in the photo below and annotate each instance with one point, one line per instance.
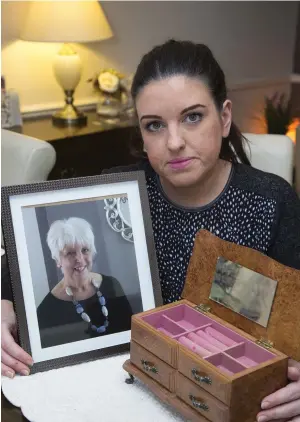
(201, 378)
(148, 366)
(198, 403)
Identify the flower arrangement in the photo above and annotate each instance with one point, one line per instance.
(277, 114)
(114, 88)
(108, 82)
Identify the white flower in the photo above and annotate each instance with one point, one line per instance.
(108, 82)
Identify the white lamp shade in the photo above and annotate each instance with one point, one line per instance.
(65, 21)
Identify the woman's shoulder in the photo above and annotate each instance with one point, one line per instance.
(48, 301)
(111, 286)
(261, 183)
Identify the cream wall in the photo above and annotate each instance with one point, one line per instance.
(253, 41)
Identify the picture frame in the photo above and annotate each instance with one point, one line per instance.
(38, 221)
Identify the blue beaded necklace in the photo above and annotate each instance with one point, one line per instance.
(80, 310)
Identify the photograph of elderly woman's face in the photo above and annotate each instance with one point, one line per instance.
(84, 271)
(76, 261)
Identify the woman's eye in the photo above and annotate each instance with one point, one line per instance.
(85, 250)
(154, 126)
(193, 118)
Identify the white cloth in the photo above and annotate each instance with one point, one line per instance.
(89, 392)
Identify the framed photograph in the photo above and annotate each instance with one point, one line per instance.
(82, 261)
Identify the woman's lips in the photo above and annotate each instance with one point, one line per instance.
(79, 269)
(180, 163)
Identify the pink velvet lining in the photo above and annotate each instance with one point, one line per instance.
(219, 345)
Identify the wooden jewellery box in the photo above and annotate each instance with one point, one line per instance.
(208, 361)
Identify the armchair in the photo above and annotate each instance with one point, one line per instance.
(271, 153)
(24, 159)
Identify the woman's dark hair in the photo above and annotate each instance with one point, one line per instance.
(195, 61)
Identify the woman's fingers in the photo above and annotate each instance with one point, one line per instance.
(294, 370)
(11, 348)
(286, 394)
(288, 410)
(6, 371)
(13, 357)
(13, 365)
(293, 374)
(294, 363)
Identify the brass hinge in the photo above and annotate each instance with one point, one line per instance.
(203, 308)
(266, 344)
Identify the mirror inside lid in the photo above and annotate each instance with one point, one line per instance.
(280, 324)
(244, 291)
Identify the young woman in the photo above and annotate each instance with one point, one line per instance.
(199, 177)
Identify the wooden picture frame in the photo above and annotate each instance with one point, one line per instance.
(124, 246)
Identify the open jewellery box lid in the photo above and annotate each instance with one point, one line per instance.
(283, 328)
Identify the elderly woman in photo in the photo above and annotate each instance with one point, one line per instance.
(83, 304)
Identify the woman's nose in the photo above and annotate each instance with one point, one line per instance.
(79, 257)
(175, 140)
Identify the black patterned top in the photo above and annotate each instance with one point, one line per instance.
(255, 209)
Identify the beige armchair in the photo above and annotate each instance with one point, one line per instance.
(24, 159)
(272, 153)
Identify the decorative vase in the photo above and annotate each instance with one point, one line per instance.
(109, 106)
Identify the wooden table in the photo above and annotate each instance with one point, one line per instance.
(86, 150)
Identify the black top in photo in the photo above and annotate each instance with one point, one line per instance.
(59, 323)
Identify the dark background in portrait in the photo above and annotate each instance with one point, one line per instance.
(115, 256)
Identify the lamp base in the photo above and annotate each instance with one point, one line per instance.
(69, 115)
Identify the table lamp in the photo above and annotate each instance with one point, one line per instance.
(66, 21)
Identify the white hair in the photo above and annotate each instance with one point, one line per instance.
(70, 232)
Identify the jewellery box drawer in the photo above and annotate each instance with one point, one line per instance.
(152, 366)
(149, 337)
(199, 372)
(200, 400)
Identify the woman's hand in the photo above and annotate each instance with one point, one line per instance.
(284, 404)
(13, 358)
